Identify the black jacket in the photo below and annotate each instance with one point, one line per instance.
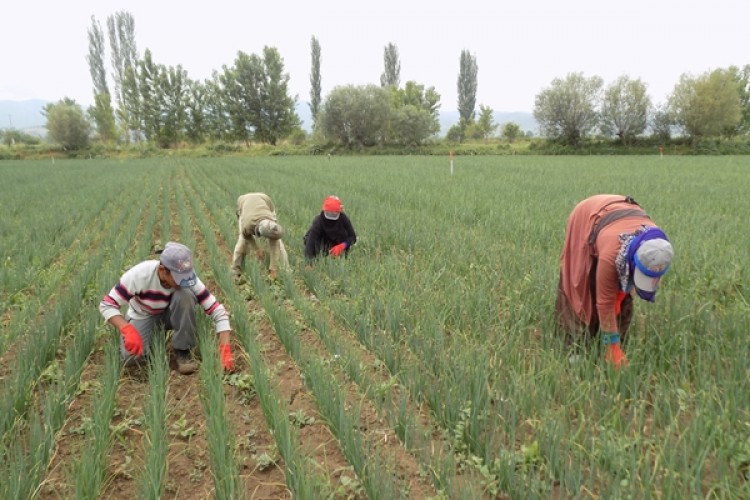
(325, 233)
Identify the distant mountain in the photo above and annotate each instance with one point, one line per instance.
(22, 115)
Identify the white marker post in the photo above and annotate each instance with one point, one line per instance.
(661, 152)
(451, 162)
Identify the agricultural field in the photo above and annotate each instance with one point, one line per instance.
(425, 365)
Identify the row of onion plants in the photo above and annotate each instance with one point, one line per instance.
(301, 479)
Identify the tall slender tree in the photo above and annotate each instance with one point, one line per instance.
(102, 112)
(121, 28)
(148, 75)
(467, 86)
(315, 92)
(391, 76)
(742, 75)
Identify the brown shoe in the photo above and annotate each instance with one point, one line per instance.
(186, 364)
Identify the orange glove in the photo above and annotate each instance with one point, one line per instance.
(225, 354)
(337, 250)
(132, 339)
(616, 356)
(618, 301)
(614, 353)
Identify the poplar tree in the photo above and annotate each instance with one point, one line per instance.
(121, 28)
(467, 87)
(391, 76)
(315, 92)
(102, 112)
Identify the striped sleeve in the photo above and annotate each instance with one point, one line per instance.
(114, 300)
(212, 307)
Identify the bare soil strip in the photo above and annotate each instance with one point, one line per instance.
(316, 441)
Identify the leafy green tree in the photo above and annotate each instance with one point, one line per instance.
(148, 75)
(102, 112)
(356, 115)
(413, 106)
(625, 109)
(11, 137)
(467, 86)
(567, 110)
(67, 124)
(485, 125)
(279, 116)
(707, 105)
(457, 132)
(172, 86)
(240, 86)
(315, 80)
(661, 124)
(196, 106)
(130, 113)
(258, 100)
(164, 93)
(216, 109)
(742, 75)
(103, 116)
(412, 125)
(424, 98)
(511, 131)
(391, 76)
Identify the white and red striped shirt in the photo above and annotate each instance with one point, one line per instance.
(142, 290)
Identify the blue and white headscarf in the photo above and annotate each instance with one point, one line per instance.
(625, 260)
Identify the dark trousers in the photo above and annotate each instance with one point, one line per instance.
(179, 317)
(577, 331)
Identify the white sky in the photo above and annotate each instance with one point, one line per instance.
(520, 47)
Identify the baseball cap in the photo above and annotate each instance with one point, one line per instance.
(652, 260)
(270, 229)
(179, 260)
(332, 207)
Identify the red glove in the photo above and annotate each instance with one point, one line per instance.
(616, 356)
(132, 339)
(227, 360)
(337, 250)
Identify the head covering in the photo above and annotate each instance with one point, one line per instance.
(650, 255)
(269, 229)
(178, 259)
(332, 207)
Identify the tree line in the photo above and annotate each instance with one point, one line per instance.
(249, 101)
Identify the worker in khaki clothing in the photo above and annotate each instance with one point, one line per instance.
(256, 216)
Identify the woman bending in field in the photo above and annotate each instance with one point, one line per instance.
(611, 248)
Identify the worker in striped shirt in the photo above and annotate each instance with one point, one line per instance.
(163, 294)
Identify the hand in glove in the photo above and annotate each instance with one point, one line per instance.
(614, 354)
(260, 255)
(337, 250)
(132, 339)
(225, 354)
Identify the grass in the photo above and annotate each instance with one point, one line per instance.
(451, 287)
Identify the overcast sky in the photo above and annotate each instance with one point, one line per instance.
(520, 46)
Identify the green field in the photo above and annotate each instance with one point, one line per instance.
(423, 366)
